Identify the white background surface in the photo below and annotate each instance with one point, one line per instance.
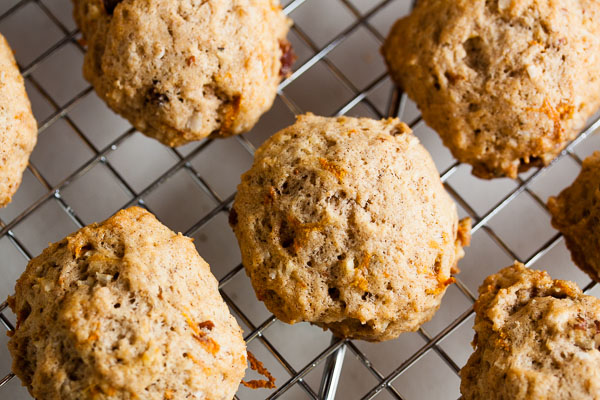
(348, 75)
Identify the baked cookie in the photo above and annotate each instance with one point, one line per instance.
(535, 338)
(182, 70)
(576, 214)
(125, 309)
(18, 129)
(506, 83)
(344, 223)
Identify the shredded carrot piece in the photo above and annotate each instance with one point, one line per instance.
(502, 342)
(553, 114)
(257, 366)
(200, 335)
(76, 244)
(556, 114)
(442, 283)
(93, 337)
(360, 280)
(565, 110)
(190, 322)
(336, 170)
(303, 230)
(208, 344)
(565, 288)
(270, 197)
(442, 280)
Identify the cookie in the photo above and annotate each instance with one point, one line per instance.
(506, 83)
(18, 128)
(183, 70)
(535, 338)
(576, 212)
(344, 223)
(124, 309)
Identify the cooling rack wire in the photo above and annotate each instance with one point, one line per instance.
(89, 163)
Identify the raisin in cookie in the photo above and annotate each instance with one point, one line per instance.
(18, 129)
(506, 83)
(535, 338)
(125, 309)
(344, 223)
(182, 70)
(576, 214)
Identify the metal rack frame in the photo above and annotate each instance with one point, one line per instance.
(333, 355)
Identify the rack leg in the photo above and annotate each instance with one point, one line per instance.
(332, 372)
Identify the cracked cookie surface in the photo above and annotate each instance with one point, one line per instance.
(183, 70)
(344, 223)
(124, 309)
(506, 83)
(535, 338)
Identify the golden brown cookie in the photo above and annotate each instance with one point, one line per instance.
(182, 70)
(535, 338)
(576, 214)
(344, 222)
(125, 309)
(18, 128)
(506, 83)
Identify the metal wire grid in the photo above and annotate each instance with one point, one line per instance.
(333, 355)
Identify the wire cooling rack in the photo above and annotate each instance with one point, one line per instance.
(89, 163)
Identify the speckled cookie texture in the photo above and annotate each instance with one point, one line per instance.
(535, 338)
(125, 309)
(344, 223)
(182, 70)
(506, 83)
(576, 214)
(18, 129)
